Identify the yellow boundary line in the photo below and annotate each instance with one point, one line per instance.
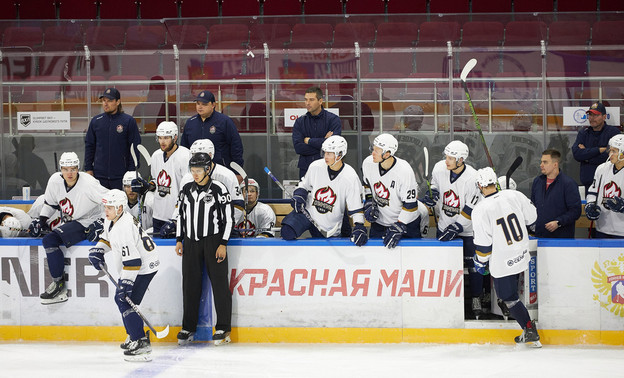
(325, 335)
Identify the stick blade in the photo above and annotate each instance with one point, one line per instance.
(134, 157)
(426, 153)
(512, 169)
(163, 333)
(235, 166)
(145, 153)
(467, 68)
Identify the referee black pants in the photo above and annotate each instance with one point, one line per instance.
(196, 255)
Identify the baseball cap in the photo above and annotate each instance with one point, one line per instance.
(205, 96)
(111, 93)
(597, 108)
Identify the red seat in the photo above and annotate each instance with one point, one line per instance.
(22, 37)
(525, 34)
(394, 34)
(366, 7)
(611, 5)
(232, 36)
(199, 8)
(322, 6)
(491, 6)
(311, 36)
(105, 37)
(480, 34)
(63, 37)
(564, 33)
(522, 6)
(436, 34)
(347, 33)
(275, 35)
(410, 6)
(187, 36)
(118, 9)
(577, 6)
(156, 10)
(449, 6)
(282, 7)
(35, 9)
(145, 37)
(603, 59)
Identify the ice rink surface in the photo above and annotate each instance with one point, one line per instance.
(83, 359)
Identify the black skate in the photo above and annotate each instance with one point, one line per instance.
(126, 343)
(185, 337)
(477, 309)
(221, 337)
(504, 309)
(55, 293)
(139, 350)
(529, 336)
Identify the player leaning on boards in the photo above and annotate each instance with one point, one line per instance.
(79, 196)
(502, 242)
(138, 260)
(335, 187)
(391, 205)
(203, 229)
(605, 203)
(140, 206)
(13, 222)
(456, 181)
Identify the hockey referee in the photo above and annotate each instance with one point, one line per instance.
(203, 229)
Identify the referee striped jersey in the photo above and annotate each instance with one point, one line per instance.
(204, 211)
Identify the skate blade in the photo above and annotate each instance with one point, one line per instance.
(146, 357)
(535, 344)
(227, 340)
(185, 342)
(58, 299)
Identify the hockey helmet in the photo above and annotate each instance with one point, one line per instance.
(167, 128)
(129, 176)
(502, 182)
(11, 227)
(617, 141)
(486, 177)
(203, 145)
(336, 144)
(200, 160)
(69, 159)
(456, 149)
(254, 183)
(386, 142)
(115, 198)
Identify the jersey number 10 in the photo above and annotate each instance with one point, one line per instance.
(511, 223)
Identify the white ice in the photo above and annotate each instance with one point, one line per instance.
(81, 359)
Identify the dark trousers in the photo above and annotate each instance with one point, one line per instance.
(110, 183)
(196, 255)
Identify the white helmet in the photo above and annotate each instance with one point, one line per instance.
(69, 159)
(502, 182)
(254, 183)
(203, 145)
(129, 176)
(486, 177)
(167, 128)
(116, 198)
(386, 142)
(11, 227)
(336, 144)
(456, 149)
(617, 141)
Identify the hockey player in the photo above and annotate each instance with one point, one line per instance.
(456, 181)
(13, 222)
(137, 258)
(79, 197)
(260, 216)
(140, 206)
(169, 164)
(203, 231)
(335, 187)
(502, 242)
(391, 191)
(605, 203)
(35, 210)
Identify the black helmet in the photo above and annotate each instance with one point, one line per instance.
(200, 159)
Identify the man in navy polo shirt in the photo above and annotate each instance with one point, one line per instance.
(108, 141)
(219, 128)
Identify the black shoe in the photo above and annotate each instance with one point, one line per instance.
(126, 344)
(221, 337)
(139, 350)
(529, 335)
(55, 293)
(185, 337)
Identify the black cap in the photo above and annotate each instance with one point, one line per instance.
(205, 96)
(111, 93)
(597, 108)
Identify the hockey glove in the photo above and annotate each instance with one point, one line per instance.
(431, 198)
(35, 228)
(592, 211)
(451, 232)
(371, 211)
(168, 230)
(96, 258)
(124, 290)
(614, 204)
(359, 236)
(394, 234)
(299, 199)
(481, 268)
(139, 185)
(94, 230)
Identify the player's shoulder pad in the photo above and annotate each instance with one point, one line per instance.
(368, 161)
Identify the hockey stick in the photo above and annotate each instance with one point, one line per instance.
(326, 234)
(146, 155)
(136, 176)
(159, 335)
(511, 170)
(433, 210)
(56, 167)
(235, 166)
(464, 73)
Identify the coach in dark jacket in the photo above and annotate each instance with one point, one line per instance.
(556, 197)
(219, 128)
(108, 141)
(591, 147)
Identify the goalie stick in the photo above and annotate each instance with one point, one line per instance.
(160, 334)
(326, 234)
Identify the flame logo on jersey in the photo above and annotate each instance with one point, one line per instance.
(450, 203)
(67, 210)
(611, 190)
(382, 194)
(164, 183)
(324, 200)
(247, 226)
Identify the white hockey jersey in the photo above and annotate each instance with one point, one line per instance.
(146, 207)
(607, 183)
(35, 210)
(82, 202)
(261, 218)
(20, 215)
(395, 192)
(227, 178)
(500, 221)
(168, 175)
(133, 249)
(423, 212)
(457, 198)
(328, 199)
